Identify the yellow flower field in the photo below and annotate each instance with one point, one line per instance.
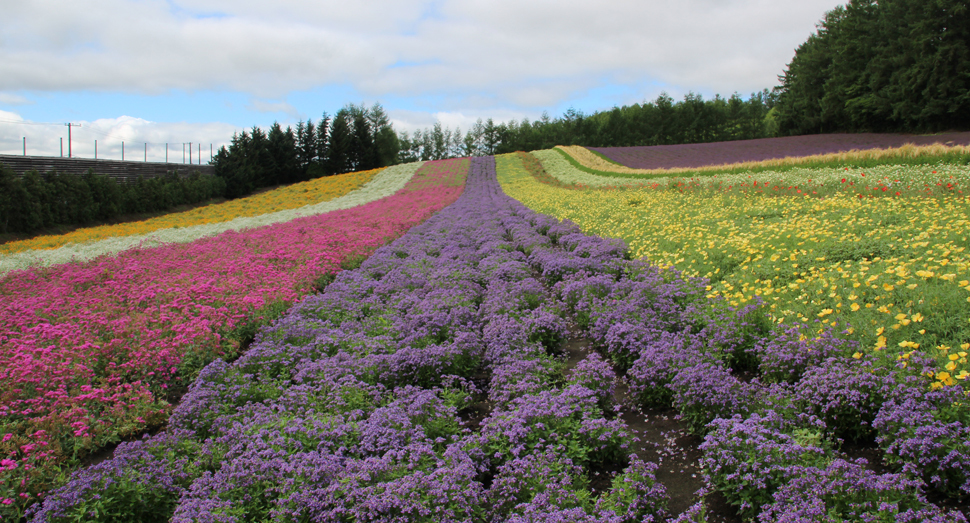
(281, 199)
(894, 272)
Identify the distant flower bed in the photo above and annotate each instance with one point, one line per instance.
(90, 351)
(287, 197)
(355, 190)
(725, 153)
(879, 180)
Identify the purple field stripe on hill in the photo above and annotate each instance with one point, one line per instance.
(717, 153)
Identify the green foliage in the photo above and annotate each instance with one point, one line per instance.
(341, 136)
(881, 66)
(34, 201)
(132, 495)
(245, 333)
(651, 123)
(635, 495)
(354, 139)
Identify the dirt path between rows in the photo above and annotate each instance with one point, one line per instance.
(660, 438)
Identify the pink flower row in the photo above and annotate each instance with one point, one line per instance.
(88, 349)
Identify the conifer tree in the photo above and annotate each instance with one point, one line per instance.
(339, 143)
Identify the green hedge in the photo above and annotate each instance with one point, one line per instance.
(37, 201)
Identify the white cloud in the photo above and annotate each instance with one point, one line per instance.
(14, 99)
(487, 54)
(140, 138)
(267, 106)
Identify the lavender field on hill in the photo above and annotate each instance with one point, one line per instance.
(719, 153)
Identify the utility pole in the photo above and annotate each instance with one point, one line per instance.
(25, 146)
(183, 153)
(166, 152)
(95, 149)
(62, 146)
(146, 152)
(190, 153)
(69, 138)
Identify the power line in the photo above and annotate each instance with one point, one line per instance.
(21, 122)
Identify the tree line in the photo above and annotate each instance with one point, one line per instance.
(886, 66)
(38, 201)
(355, 138)
(660, 122)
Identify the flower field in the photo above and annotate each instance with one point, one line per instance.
(91, 352)
(880, 180)
(747, 151)
(380, 185)
(832, 248)
(280, 199)
(792, 320)
(862, 299)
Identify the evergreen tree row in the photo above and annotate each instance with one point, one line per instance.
(354, 139)
(38, 201)
(660, 122)
(886, 66)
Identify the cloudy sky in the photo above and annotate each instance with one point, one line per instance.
(172, 71)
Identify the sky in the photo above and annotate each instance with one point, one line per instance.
(155, 72)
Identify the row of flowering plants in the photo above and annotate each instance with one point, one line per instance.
(282, 198)
(424, 385)
(891, 273)
(92, 353)
(278, 206)
(934, 179)
(776, 405)
(779, 151)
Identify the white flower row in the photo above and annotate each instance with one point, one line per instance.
(385, 183)
(906, 175)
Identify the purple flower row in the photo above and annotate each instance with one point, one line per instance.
(728, 371)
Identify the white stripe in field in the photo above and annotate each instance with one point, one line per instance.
(384, 184)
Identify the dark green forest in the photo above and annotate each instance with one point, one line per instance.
(887, 66)
(356, 138)
(36, 201)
